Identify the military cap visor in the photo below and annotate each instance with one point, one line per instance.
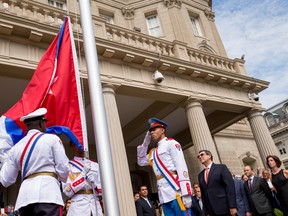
(34, 116)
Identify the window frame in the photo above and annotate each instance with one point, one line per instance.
(108, 16)
(59, 2)
(270, 120)
(196, 27)
(149, 27)
(109, 19)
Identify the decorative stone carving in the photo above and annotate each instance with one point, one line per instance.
(128, 13)
(248, 153)
(173, 3)
(210, 15)
(203, 46)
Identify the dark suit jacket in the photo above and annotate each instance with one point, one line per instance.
(260, 196)
(197, 211)
(143, 209)
(243, 205)
(218, 194)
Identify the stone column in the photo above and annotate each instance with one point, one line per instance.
(263, 139)
(119, 156)
(200, 133)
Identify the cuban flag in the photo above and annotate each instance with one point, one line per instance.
(56, 86)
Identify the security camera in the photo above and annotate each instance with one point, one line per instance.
(253, 96)
(157, 76)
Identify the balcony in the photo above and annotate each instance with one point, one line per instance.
(40, 22)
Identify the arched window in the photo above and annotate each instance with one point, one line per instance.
(285, 108)
(270, 119)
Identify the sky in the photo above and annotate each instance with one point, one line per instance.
(259, 30)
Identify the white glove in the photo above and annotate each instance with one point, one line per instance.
(86, 168)
(147, 139)
(91, 177)
(187, 201)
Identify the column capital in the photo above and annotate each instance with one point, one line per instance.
(193, 102)
(255, 112)
(109, 88)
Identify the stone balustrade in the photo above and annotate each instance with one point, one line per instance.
(211, 60)
(142, 41)
(43, 13)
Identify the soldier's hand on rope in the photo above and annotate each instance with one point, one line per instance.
(86, 167)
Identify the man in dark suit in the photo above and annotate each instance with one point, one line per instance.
(243, 206)
(197, 203)
(217, 187)
(144, 206)
(259, 193)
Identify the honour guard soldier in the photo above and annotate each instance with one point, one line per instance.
(42, 161)
(169, 166)
(83, 185)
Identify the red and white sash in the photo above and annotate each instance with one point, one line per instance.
(165, 172)
(27, 152)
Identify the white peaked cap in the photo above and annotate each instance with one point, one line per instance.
(37, 113)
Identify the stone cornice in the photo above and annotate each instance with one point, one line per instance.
(200, 4)
(135, 4)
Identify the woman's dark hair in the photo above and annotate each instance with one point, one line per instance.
(275, 158)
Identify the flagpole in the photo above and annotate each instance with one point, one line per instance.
(98, 113)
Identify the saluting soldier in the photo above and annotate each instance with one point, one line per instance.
(83, 185)
(169, 166)
(42, 161)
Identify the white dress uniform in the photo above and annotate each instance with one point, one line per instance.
(48, 156)
(171, 154)
(82, 197)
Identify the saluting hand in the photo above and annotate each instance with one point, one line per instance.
(147, 139)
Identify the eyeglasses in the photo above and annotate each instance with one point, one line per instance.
(201, 155)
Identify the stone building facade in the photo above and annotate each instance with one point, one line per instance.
(276, 118)
(204, 95)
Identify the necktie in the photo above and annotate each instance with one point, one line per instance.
(250, 183)
(200, 203)
(206, 174)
